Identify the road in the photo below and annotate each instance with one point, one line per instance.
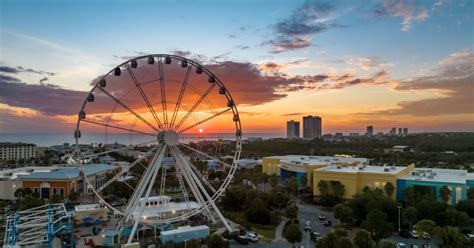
(311, 213)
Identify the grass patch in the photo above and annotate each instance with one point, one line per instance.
(267, 231)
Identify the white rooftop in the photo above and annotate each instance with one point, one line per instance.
(182, 229)
(440, 175)
(156, 210)
(364, 169)
(86, 207)
(319, 160)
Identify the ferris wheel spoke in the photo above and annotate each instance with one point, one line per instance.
(145, 98)
(185, 164)
(149, 186)
(195, 105)
(117, 127)
(118, 149)
(163, 93)
(128, 108)
(183, 187)
(205, 155)
(120, 173)
(196, 171)
(181, 94)
(205, 120)
(191, 183)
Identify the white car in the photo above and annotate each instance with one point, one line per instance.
(414, 234)
(401, 245)
(251, 237)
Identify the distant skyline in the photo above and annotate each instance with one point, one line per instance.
(354, 63)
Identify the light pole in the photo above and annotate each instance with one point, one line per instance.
(399, 207)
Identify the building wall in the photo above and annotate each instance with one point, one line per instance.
(354, 182)
(458, 190)
(53, 184)
(8, 188)
(16, 151)
(271, 166)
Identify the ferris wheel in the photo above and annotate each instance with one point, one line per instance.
(167, 106)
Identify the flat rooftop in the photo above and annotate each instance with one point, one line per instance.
(319, 160)
(439, 175)
(364, 169)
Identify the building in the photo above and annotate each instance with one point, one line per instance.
(393, 131)
(48, 181)
(184, 233)
(429, 181)
(292, 129)
(356, 177)
(303, 166)
(162, 207)
(370, 131)
(89, 211)
(398, 149)
(353, 134)
(400, 131)
(405, 131)
(15, 151)
(312, 127)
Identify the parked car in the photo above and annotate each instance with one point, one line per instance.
(413, 246)
(414, 234)
(242, 239)
(307, 226)
(252, 237)
(327, 223)
(401, 245)
(469, 236)
(321, 217)
(315, 236)
(425, 235)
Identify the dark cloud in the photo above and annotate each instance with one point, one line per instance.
(312, 17)
(19, 69)
(43, 80)
(181, 53)
(48, 99)
(293, 114)
(306, 20)
(282, 44)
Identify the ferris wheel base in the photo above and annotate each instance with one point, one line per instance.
(131, 245)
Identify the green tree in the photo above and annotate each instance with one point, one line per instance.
(409, 195)
(343, 213)
(291, 211)
(258, 212)
(411, 215)
(56, 198)
(389, 189)
(445, 193)
(335, 239)
(466, 206)
(194, 243)
(450, 237)
(425, 226)
(304, 182)
(386, 243)
(215, 241)
(74, 196)
(362, 239)
(338, 189)
(274, 181)
(293, 234)
(376, 223)
(291, 185)
(323, 187)
(470, 194)
(453, 217)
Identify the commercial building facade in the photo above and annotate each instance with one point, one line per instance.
(356, 174)
(15, 151)
(49, 181)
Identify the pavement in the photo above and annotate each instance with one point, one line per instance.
(279, 231)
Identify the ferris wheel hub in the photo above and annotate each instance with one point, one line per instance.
(170, 138)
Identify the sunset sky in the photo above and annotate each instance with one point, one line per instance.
(354, 63)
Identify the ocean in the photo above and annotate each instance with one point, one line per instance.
(49, 139)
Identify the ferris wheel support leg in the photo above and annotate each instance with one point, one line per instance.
(156, 167)
(213, 204)
(191, 183)
(132, 203)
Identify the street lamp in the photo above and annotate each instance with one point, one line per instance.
(399, 207)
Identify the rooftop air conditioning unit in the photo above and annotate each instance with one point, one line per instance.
(338, 167)
(393, 167)
(430, 177)
(361, 168)
(386, 169)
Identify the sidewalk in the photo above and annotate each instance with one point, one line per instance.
(279, 231)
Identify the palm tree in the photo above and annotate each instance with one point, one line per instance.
(450, 237)
(389, 188)
(445, 193)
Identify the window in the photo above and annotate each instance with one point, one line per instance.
(55, 190)
(35, 190)
(61, 191)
